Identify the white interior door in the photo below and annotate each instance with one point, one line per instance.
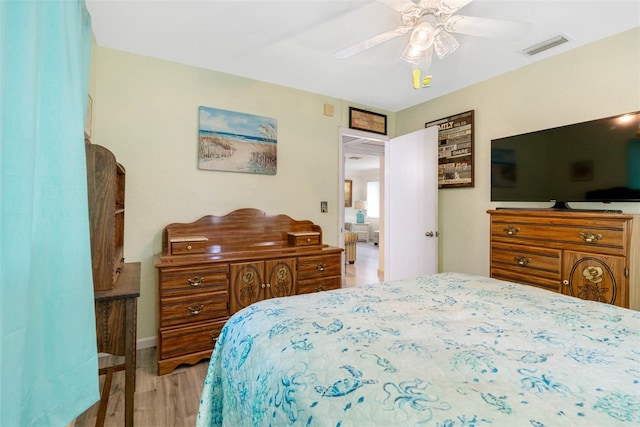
(411, 205)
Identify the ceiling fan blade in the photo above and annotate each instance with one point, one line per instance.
(486, 27)
(373, 41)
(448, 7)
(399, 5)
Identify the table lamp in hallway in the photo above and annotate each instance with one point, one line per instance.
(361, 206)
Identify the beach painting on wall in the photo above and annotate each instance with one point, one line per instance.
(237, 142)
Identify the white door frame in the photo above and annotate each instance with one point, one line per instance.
(363, 137)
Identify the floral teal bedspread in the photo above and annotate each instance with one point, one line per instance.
(443, 350)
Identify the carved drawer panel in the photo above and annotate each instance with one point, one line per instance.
(190, 309)
(311, 267)
(594, 278)
(191, 339)
(186, 281)
(527, 260)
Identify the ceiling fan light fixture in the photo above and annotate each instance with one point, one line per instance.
(411, 54)
(422, 36)
(444, 44)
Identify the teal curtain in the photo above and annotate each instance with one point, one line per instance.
(48, 352)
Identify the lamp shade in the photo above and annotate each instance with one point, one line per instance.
(360, 204)
(444, 43)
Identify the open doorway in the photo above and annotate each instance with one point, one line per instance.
(362, 167)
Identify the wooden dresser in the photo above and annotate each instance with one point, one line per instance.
(217, 265)
(589, 255)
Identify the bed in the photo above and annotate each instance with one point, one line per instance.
(443, 350)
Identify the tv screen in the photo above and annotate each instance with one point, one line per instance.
(594, 161)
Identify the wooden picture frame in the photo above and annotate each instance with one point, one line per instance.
(367, 121)
(455, 150)
(348, 193)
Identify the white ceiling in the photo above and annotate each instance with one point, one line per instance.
(293, 43)
(355, 164)
(361, 155)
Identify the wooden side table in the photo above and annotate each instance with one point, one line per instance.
(362, 228)
(116, 335)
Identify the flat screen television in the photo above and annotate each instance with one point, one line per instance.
(594, 161)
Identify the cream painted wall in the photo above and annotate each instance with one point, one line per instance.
(146, 113)
(593, 81)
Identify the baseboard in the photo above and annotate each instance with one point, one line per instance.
(140, 344)
(145, 343)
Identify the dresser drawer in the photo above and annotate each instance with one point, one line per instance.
(191, 339)
(190, 309)
(185, 281)
(303, 238)
(186, 248)
(610, 237)
(527, 260)
(187, 245)
(526, 278)
(311, 267)
(318, 285)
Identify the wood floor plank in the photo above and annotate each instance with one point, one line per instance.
(171, 400)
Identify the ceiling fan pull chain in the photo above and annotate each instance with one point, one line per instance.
(416, 78)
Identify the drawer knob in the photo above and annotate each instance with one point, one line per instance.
(521, 260)
(195, 309)
(308, 239)
(590, 236)
(189, 247)
(511, 230)
(565, 282)
(320, 267)
(196, 281)
(214, 336)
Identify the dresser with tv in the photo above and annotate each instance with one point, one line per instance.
(588, 255)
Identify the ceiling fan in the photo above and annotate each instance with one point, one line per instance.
(431, 23)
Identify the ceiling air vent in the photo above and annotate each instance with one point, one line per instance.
(545, 45)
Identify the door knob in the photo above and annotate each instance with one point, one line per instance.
(431, 234)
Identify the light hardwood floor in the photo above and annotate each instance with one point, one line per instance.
(365, 269)
(172, 400)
